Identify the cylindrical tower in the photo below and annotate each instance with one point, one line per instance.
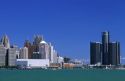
(105, 43)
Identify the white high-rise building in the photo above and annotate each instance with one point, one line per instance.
(55, 56)
(51, 53)
(44, 50)
(23, 53)
(3, 52)
(12, 57)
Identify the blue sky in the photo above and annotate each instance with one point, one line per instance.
(69, 24)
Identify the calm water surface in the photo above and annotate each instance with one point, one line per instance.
(62, 75)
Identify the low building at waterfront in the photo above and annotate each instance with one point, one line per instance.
(33, 63)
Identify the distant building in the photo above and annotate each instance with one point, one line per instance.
(37, 40)
(55, 57)
(51, 53)
(114, 53)
(5, 41)
(17, 50)
(33, 63)
(44, 50)
(110, 51)
(30, 49)
(7, 53)
(33, 49)
(105, 48)
(40, 49)
(2, 55)
(11, 57)
(60, 60)
(95, 52)
(23, 53)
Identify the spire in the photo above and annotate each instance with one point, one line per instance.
(5, 41)
(27, 43)
(37, 39)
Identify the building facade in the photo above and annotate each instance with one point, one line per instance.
(95, 52)
(23, 53)
(114, 53)
(3, 53)
(11, 57)
(108, 53)
(44, 50)
(105, 50)
(33, 63)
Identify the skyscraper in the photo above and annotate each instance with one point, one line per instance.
(95, 52)
(44, 50)
(33, 49)
(5, 41)
(114, 53)
(110, 51)
(29, 46)
(2, 55)
(55, 56)
(23, 53)
(51, 53)
(11, 57)
(105, 50)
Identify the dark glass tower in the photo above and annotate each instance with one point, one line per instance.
(105, 51)
(95, 52)
(114, 53)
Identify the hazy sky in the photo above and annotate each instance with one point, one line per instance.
(69, 24)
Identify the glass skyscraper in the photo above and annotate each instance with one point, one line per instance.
(105, 50)
(95, 51)
(107, 53)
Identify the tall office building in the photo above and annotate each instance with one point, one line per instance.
(44, 50)
(33, 49)
(29, 46)
(110, 51)
(17, 50)
(51, 53)
(105, 50)
(23, 53)
(2, 55)
(95, 52)
(114, 53)
(11, 57)
(55, 56)
(5, 41)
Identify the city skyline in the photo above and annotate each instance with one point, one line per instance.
(34, 52)
(39, 39)
(70, 24)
